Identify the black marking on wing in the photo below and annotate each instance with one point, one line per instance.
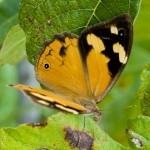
(50, 52)
(51, 104)
(61, 37)
(62, 52)
(102, 30)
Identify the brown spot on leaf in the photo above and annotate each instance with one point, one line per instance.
(42, 149)
(80, 140)
(38, 124)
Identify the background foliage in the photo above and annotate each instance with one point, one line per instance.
(115, 107)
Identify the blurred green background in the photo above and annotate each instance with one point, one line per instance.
(121, 103)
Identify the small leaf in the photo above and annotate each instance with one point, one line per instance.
(13, 49)
(62, 131)
(144, 91)
(41, 19)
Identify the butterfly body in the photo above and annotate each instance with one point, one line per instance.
(78, 72)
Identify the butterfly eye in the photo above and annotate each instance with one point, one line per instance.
(121, 33)
(46, 66)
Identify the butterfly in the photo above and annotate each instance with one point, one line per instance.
(76, 73)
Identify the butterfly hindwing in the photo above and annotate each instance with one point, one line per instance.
(49, 99)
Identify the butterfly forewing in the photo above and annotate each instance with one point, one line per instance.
(105, 49)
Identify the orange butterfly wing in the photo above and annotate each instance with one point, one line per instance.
(105, 50)
(59, 67)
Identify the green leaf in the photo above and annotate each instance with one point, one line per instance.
(13, 49)
(144, 91)
(41, 19)
(8, 98)
(8, 16)
(62, 132)
(139, 133)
